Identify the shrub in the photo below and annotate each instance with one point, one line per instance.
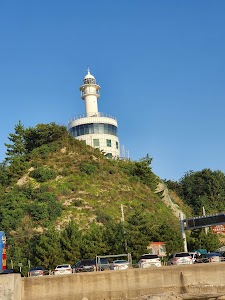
(43, 174)
(77, 203)
(87, 168)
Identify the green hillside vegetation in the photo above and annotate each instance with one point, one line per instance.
(61, 201)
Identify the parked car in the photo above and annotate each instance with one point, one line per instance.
(102, 264)
(120, 264)
(194, 256)
(209, 257)
(10, 271)
(85, 265)
(38, 271)
(180, 258)
(63, 269)
(149, 260)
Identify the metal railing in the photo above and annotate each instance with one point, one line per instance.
(90, 115)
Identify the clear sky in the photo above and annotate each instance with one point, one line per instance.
(160, 65)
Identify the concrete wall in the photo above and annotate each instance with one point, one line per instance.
(113, 285)
(10, 287)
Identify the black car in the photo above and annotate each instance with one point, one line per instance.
(85, 265)
(103, 264)
(10, 271)
(209, 257)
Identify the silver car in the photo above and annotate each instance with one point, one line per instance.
(180, 258)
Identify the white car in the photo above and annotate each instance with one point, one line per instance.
(63, 269)
(120, 264)
(194, 255)
(149, 260)
(180, 258)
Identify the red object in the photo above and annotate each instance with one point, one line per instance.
(218, 229)
(4, 258)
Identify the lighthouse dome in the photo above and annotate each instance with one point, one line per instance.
(89, 78)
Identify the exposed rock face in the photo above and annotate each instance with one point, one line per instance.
(161, 188)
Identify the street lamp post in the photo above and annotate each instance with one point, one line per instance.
(122, 219)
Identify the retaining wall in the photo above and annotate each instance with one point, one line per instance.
(126, 284)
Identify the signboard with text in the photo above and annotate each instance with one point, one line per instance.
(204, 221)
(2, 250)
(218, 229)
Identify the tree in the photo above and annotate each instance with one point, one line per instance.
(11, 209)
(172, 237)
(70, 241)
(94, 242)
(47, 249)
(16, 149)
(115, 237)
(137, 234)
(143, 171)
(4, 177)
(43, 134)
(199, 239)
(204, 188)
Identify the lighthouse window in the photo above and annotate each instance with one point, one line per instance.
(96, 143)
(117, 145)
(93, 128)
(101, 128)
(90, 128)
(81, 129)
(108, 143)
(96, 128)
(89, 81)
(86, 131)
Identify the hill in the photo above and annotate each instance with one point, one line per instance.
(61, 201)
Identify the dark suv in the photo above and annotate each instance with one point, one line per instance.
(102, 264)
(85, 265)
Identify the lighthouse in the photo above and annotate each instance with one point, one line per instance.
(97, 129)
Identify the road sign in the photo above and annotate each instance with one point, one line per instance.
(218, 229)
(204, 221)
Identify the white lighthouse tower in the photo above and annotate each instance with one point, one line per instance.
(97, 129)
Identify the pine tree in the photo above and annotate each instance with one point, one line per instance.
(70, 241)
(17, 148)
(94, 242)
(47, 249)
(137, 233)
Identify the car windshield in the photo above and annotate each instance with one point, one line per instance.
(87, 263)
(149, 256)
(104, 261)
(62, 266)
(122, 261)
(183, 254)
(36, 268)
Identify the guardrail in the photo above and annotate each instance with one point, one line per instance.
(99, 114)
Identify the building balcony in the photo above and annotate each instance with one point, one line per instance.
(99, 114)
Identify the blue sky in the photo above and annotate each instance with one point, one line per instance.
(160, 65)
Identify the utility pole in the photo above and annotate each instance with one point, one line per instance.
(183, 232)
(206, 228)
(122, 219)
